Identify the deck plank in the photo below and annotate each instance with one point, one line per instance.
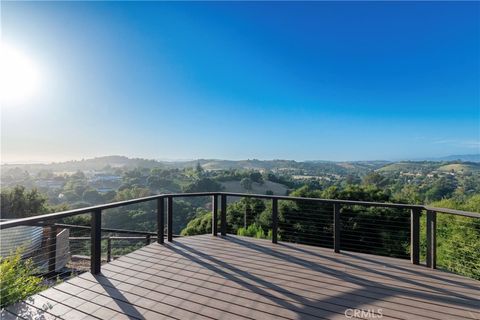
(306, 287)
(309, 268)
(194, 276)
(205, 277)
(306, 284)
(361, 267)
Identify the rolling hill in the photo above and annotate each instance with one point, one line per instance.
(460, 167)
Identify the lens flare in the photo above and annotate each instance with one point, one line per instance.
(19, 77)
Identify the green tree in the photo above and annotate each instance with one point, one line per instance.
(199, 170)
(458, 237)
(202, 224)
(409, 193)
(236, 213)
(132, 193)
(256, 176)
(352, 179)
(20, 203)
(375, 179)
(311, 222)
(203, 185)
(256, 231)
(134, 178)
(441, 188)
(134, 217)
(92, 196)
(246, 183)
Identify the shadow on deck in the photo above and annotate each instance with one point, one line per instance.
(206, 277)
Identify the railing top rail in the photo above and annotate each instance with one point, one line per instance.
(73, 212)
(69, 213)
(112, 230)
(347, 202)
(361, 203)
(453, 211)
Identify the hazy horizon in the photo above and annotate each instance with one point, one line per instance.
(331, 81)
(27, 162)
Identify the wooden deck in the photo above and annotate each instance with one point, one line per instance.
(206, 277)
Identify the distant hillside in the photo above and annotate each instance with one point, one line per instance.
(409, 166)
(461, 167)
(458, 157)
(97, 164)
(428, 166)
(276, 188)
(288, 167)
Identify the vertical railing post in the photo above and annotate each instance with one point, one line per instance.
(214, 215)
(95, 239)
(52, 253)
(415, 236)
(109, 249)
(336, 227)
(160, 219)
(245, 214)
(274, 220)
(170, 219)
(431, 239)
(147, 239)
(223, 216)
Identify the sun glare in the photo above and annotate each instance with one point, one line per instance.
(19, 78)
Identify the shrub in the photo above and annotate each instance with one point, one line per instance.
(254, 230)
(17, 281)
(200, 225)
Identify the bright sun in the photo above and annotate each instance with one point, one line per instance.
(19, 78)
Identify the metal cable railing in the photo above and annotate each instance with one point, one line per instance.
(65, 248)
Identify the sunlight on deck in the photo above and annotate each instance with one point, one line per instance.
(205, 277)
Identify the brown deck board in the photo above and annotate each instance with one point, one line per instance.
(333, 284)
(305, 287)
(373, 275)
(206, 277)
(350, 260)
(218, 283)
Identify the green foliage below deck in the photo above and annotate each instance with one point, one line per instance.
(17, 280)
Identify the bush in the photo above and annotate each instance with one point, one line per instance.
(254, 230)
(458, 238)
(200, 225)
(17, 281)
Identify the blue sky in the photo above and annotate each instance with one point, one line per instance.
(303, 81)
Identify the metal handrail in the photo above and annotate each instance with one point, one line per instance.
(96, 217)
(453, 211)
(69, 213)
(112, 230)
(74, 212)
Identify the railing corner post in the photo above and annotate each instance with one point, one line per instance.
(246, 214)
(214, 215)
(160, 219)
(96, 238)
(415, 235)
(431, 239)
(223, 216)
(170, 219)
(274, 220)
(109, 249)
(336, 227)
